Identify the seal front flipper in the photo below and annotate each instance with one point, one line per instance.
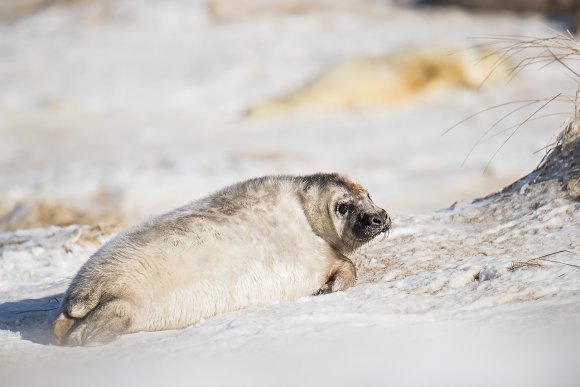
(342, 276)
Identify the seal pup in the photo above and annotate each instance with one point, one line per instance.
(382, 81)
(262, 240)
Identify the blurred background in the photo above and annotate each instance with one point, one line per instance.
(114, 110)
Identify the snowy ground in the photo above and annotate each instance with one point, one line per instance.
(138, 106)
(439, 302)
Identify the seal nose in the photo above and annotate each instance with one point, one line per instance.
(388, 222)
(380, 219)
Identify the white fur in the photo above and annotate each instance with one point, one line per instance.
(263, 240)
(260, 264)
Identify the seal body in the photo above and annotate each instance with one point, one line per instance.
(381, 81)
(263, 240)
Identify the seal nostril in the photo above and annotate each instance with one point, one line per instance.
(377, 221)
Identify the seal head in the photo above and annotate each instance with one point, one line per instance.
(347, 217)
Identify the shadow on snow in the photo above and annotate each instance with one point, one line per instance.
(30, 318)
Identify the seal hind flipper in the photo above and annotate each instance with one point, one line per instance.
(100, 326)
(61, 326)
(74, 307)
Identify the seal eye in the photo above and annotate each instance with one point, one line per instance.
(342, 209)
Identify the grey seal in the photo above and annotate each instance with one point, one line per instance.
(267, 239)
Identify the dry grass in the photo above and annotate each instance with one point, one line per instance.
(561, 49)
(17, 9)
(541, 260)
(41, 213)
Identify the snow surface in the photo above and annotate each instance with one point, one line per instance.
(143, 100)
(437, 303)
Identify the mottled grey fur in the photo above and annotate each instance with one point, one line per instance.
(262, 240)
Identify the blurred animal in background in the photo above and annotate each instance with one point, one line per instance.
(375, 82)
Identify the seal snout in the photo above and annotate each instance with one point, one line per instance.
(387, 223)
(377, 222)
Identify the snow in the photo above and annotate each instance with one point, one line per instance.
(439, 296)
(141, 102)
